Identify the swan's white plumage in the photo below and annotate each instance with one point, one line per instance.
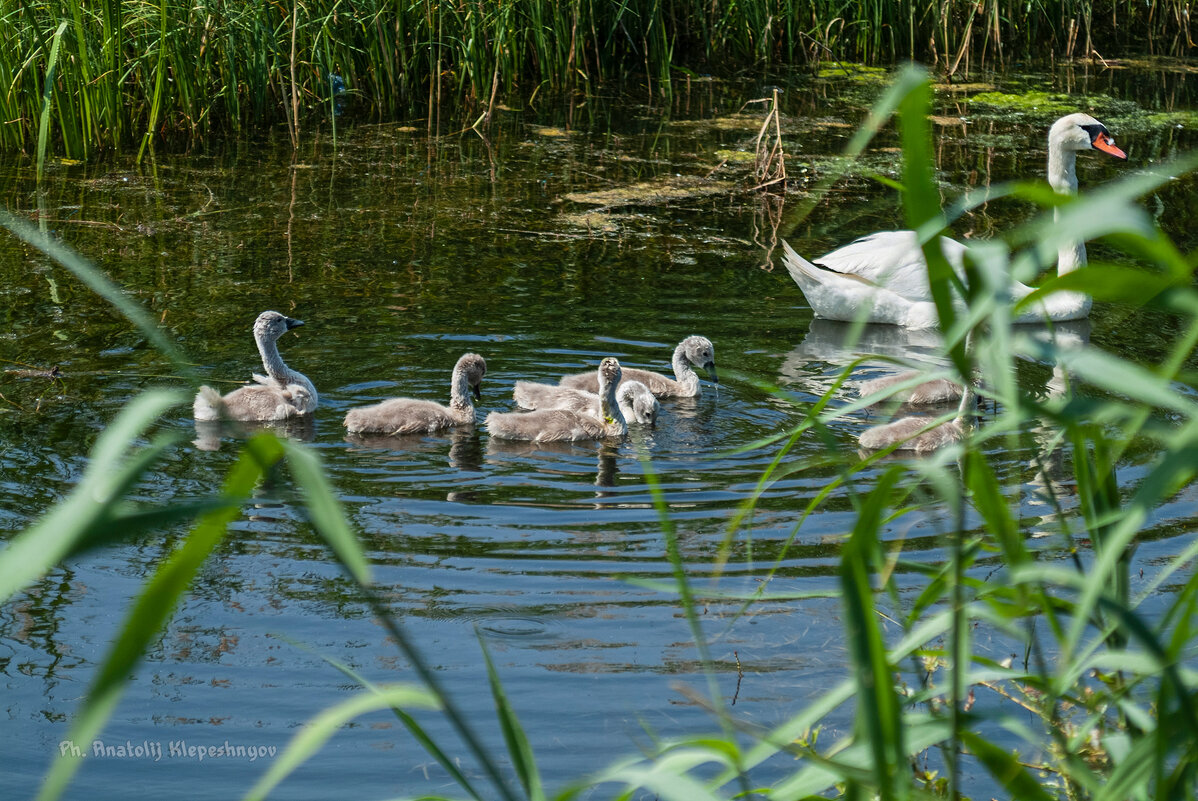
(882, 277)
(282, 394)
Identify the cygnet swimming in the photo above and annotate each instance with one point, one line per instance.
(412, 416)
(691, 352)
(279, 395)
(567, 425)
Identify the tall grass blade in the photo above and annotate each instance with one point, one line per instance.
(518, 747)
(325, 510)
(43, 127)
(156, 604)
(410, 723)
(321, 728)
(100, 284)
(71, 524)
(879, 715)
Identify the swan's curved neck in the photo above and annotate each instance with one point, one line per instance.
(459, 390)
(272, 361)
(609, 408)
(684, 374)
(1062, 177)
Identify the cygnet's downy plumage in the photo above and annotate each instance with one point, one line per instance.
(909, 434)
(691, 352)
(636, 402)
(938, 390)
(567, 425)
(279, 395)
(411, 416)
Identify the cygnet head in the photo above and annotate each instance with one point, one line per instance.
(609, 372)
(636, 397)
(271, 325)
(474, 367)
(1083, 132)
(700, 352)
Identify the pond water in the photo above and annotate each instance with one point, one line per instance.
(401, 252)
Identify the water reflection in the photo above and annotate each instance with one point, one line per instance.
(211, 433)
(830, 345)
(465, 445)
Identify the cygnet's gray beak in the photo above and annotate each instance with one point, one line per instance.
(478, 395)
(293, 323)
(710, 368)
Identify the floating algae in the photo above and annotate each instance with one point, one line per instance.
(857, 73)
(654, 193)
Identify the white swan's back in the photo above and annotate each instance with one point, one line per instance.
(882, 277)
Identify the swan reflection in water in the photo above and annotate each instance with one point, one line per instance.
(210, 433)
(1047, 483)
(560, 464)
(829, 346)
(815, 364)
(465, 446)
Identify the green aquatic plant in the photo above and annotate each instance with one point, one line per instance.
(1097, 703)
(140, 73)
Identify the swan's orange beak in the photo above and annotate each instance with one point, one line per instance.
(1103, 141)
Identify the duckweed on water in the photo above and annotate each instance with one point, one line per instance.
(736, 156)
(653, 193)
(857, 73)
(1039, 103)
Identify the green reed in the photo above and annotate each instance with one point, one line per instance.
(1102, 700)
(135, 73)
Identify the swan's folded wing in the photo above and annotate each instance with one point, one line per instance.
(892, 259)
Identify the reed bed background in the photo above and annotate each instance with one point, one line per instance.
(123, 73)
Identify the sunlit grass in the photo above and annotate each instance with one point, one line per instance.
(134, 73)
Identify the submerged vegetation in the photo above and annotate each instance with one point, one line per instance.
(113, 74)
(1025, 663)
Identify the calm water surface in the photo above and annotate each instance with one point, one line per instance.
(401, 253)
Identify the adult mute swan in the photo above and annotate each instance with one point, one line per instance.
(883, 276)
(636, 402)
(279, 395)
(697, 351)
(567, 425)
(412, 416)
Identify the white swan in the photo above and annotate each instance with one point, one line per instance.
(279, 395)
(567, 425)
(411, 416)
(883, 276)
(913, 434)
(636, 402)
(697, 351)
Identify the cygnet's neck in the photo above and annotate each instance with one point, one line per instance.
(272, 361)
(609, 408)
(684, 374)
(459, 391)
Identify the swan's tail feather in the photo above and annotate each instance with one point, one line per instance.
(804, 273)
(208, 404)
